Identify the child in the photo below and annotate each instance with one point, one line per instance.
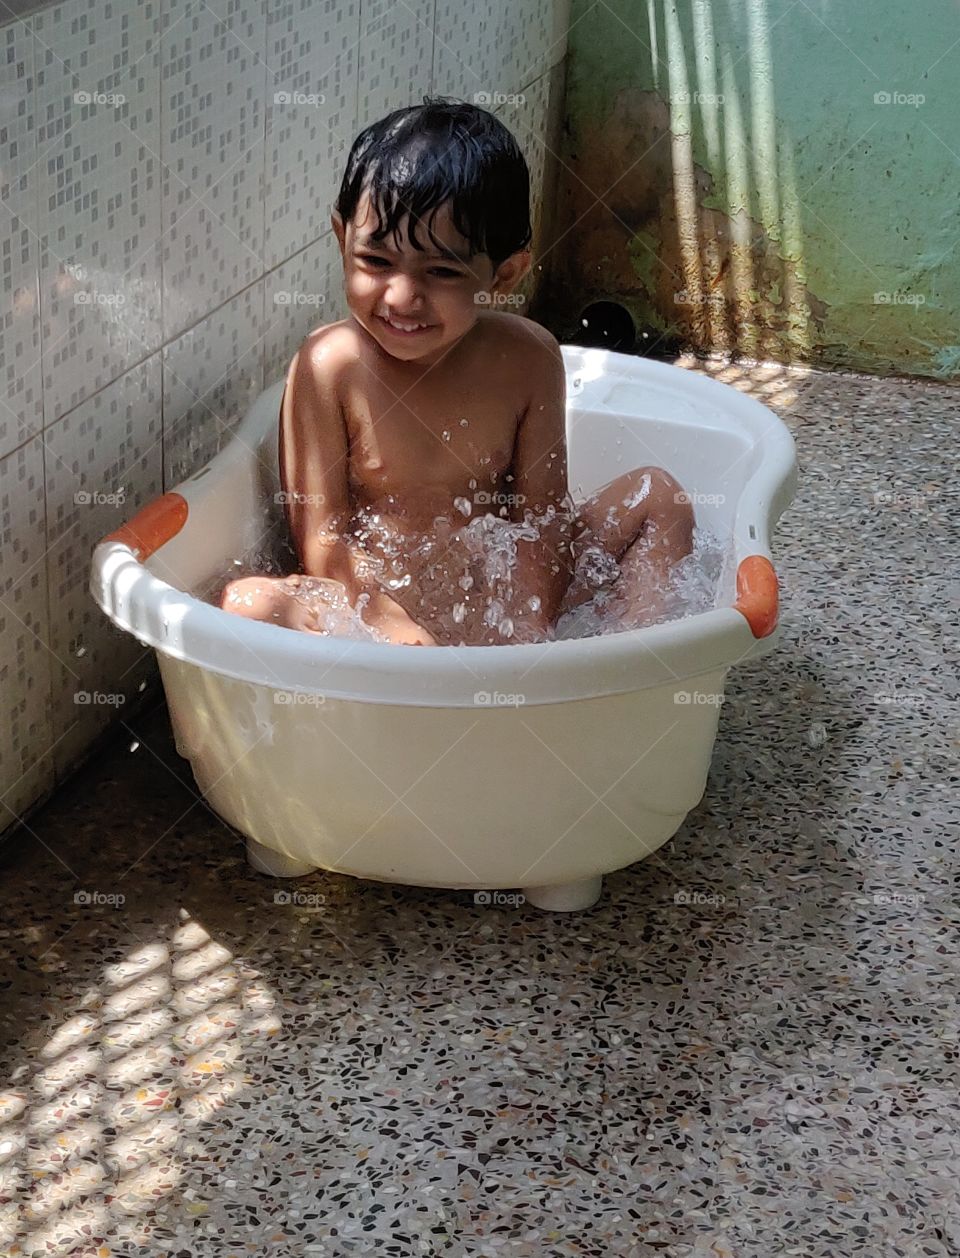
(429, 406)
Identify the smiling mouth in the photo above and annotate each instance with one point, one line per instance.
(406, 327)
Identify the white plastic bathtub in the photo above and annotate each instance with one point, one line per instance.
(537, 767)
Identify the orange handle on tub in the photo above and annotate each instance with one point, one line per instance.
(758, 594)
(152, 526)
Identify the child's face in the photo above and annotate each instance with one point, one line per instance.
(417, 303)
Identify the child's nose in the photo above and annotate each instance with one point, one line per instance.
(403, 291)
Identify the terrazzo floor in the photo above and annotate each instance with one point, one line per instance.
(770, 1068)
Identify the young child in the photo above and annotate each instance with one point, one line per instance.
(429, 406)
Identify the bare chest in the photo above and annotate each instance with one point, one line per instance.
(424, 447)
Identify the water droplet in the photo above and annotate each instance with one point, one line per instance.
(473, 483)
(534, 603)
(506, 627)
(445, 434)
(463, 505)
(465, 582)
(464, 422)
(459, 612)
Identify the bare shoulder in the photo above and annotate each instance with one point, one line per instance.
(330, 349)
(320, 369)
(526, 347)
(518, 334)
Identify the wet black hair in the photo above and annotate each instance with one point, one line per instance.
(418, 158)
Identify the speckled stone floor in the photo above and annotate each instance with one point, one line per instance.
(203, 1070)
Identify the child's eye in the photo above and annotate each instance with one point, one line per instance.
(446, 272)
(373, 259)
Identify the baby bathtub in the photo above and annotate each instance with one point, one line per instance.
(539, 767)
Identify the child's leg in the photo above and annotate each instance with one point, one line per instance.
(270, 599)
(643, 520)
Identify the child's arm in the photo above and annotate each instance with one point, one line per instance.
(313, 478)
(540, 480)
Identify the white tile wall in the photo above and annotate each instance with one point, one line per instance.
(161, 259)
(97, 174)
(211, 374)
(21, 396)
(212, 154)
(312, 54)
(26, 731)
(103, 461)
(396, 56)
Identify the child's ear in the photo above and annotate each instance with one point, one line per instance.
(511, 271)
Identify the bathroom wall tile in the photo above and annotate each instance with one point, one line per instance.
(559, 37)
(214, 86)
(494, 49)
(98, 175)
(21, 394)
(467, 56)
(527, 118)
(303, 293)
(211, 374)
(311, 53)
(396, 56)
(103, 461)
(527, 37)
(26, 731)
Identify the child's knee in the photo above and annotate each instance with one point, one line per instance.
(252, 597)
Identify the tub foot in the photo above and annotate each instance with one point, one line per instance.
(565, 897)
(266, 861)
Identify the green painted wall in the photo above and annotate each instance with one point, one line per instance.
(753, 193)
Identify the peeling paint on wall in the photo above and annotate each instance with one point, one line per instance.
(738, 182)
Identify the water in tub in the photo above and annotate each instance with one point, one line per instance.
(480, 554)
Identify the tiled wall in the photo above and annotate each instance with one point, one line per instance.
(161, 202)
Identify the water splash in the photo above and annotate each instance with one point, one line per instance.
(457, 580)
